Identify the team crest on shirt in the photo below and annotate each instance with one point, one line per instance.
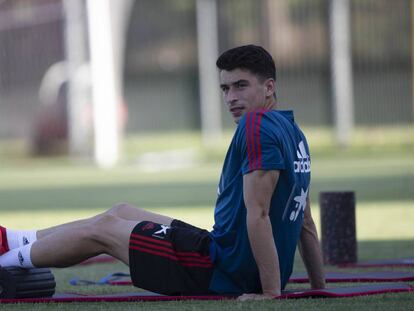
(302, 165)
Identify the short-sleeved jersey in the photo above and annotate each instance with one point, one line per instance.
(264, 140)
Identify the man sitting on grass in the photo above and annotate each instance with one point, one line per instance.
(262, 211)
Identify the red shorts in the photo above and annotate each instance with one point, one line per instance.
(171, 260)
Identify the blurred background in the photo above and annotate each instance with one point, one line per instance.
(130, 86)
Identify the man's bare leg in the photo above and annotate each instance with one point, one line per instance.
(68, 246)
(122, 210)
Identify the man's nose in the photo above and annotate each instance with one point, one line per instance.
(231, 97)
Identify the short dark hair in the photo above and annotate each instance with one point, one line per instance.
(251, 57)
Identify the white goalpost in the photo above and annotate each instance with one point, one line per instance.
(341, 69)
(105, 95)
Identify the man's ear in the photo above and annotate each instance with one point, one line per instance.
(270, 85)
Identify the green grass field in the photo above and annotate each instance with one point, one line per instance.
(378, 166)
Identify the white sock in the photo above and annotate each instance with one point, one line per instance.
(18, 257)
(18, 238)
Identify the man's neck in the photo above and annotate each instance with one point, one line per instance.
(270, 104)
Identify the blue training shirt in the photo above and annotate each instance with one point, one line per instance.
(264, 140)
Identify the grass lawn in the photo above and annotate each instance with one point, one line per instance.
(379, 167)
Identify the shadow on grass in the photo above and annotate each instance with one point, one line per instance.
(185, 193)
(164, 194)
(388, 249)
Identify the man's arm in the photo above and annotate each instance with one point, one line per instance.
(258, 188)
(310, 250)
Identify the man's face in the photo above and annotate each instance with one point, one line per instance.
(242, 92)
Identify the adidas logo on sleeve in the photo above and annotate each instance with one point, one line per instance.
(303, 164)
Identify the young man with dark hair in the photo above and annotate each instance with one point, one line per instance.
(262, 211)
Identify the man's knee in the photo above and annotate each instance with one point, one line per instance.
(127, 211)
(100, 227)
(120, 209)
(114, 210)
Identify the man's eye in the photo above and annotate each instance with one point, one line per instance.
(240, 85)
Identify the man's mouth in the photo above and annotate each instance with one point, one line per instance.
(236, 111)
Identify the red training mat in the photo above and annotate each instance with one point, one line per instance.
(333, 277)
(338, 292)
(403, 262)
(342, 277)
